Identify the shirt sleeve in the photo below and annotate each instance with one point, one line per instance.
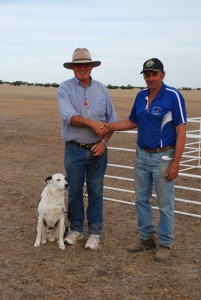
(132, 116)
(67, 110)
(111, 114)
(179, 111)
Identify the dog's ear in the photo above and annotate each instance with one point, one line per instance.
(48, 179)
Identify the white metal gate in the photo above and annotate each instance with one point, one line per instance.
(190, 169)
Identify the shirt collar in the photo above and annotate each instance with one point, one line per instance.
(160, 93)
(78, 82)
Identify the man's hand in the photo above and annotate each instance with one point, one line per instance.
(98, 149)
(99, 128)
(108, 127)
(172, 171)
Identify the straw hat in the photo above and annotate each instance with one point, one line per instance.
(81, 56)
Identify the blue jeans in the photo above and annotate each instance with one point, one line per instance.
(150, 169)
(81, 165)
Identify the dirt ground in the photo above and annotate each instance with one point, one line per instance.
(31, 149)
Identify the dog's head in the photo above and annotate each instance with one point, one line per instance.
(58, 181)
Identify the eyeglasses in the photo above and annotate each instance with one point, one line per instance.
(84, 65)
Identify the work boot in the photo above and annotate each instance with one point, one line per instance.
(142, 245)
(162, 254)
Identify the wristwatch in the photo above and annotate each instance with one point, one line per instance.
(104, 142)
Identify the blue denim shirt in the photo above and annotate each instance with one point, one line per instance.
(92, 102)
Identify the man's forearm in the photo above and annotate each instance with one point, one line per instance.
(79, 121)
(180, 143)
(122, 125)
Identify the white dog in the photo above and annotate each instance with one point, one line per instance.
(51, 211)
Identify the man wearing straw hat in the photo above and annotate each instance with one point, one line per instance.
(85, 105)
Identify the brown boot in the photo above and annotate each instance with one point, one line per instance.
(162, 254)
(142, 245)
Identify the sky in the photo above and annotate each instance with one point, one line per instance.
(37, 37)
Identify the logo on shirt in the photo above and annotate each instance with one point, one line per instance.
(156, 111)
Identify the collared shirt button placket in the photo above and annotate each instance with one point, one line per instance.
(86, 102)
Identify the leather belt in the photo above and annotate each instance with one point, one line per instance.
(81, 145)
(158, 150)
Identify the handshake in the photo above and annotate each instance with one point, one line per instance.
(101, 128)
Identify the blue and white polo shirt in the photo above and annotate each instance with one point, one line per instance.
(156, 123)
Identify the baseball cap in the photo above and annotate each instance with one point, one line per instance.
(153, 64)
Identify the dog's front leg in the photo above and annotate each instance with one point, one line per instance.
(61, 233)
(39, 231)
(44, 234)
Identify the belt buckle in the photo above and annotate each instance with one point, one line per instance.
(85, 146)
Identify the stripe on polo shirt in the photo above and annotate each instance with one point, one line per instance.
(179, 101)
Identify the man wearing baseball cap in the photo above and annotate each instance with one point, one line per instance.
(159, 114)
(85, 105)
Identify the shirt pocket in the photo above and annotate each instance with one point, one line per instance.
(99, 109)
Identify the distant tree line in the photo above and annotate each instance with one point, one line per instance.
(128, 87)
(56, 85)
(18, 83)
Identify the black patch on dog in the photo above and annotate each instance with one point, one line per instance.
(48, 178)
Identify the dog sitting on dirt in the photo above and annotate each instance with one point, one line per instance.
(51, 211)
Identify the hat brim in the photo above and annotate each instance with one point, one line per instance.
(149, 69)
(68, 65)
